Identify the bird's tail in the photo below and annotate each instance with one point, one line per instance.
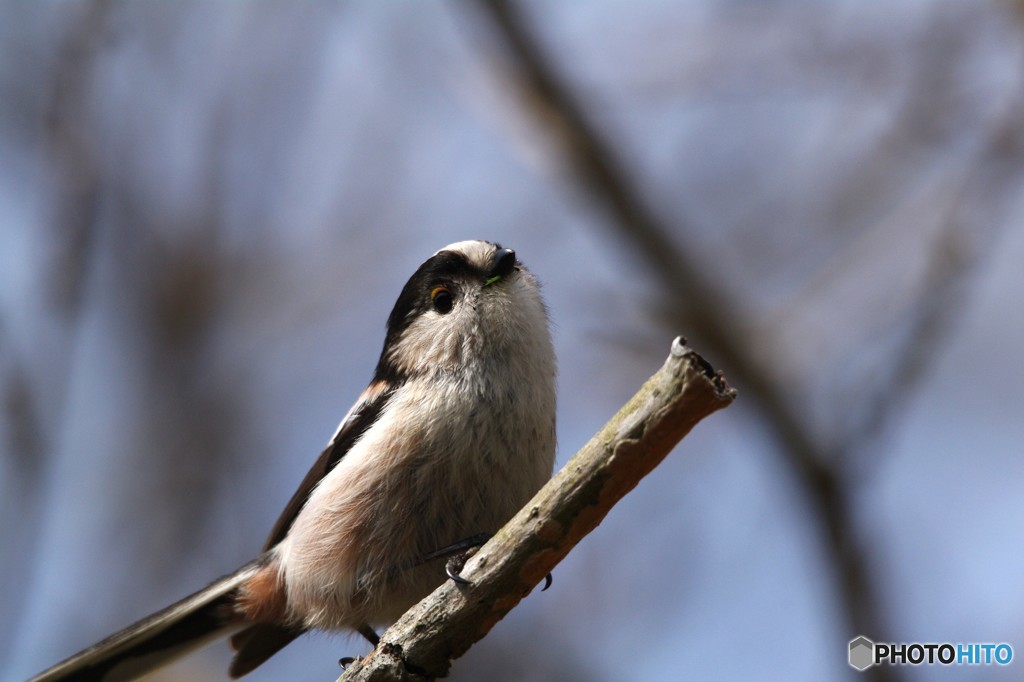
(157, 640)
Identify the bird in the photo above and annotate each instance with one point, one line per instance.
(454, 434)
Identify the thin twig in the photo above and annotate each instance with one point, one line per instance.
(994, 171)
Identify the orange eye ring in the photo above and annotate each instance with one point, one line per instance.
(442, 299)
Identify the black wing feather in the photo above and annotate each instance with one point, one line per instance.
(363, 415)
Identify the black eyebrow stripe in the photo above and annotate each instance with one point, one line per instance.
(444, 266)
(447, 264)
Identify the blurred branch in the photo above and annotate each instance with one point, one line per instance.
(175, 273)
(422, 644)
(72, 154)
(931, 322)
(700, 306)
(954, 254)
(977, 184)
(21, 503)
(71, 160)
(25, 435)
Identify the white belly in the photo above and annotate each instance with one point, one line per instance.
(353, 553)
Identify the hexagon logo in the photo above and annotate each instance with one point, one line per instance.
(862, 653)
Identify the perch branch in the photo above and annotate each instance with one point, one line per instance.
(422, 644)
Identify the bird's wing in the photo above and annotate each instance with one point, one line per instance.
(361, 417)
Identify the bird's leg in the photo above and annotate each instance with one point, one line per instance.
(371, 636)
(368, 632)
(471, 542)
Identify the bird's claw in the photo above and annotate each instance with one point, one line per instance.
(453, 567)
(460, 552)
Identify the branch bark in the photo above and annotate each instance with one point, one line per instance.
(422, 644)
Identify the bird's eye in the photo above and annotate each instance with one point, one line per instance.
(442, 299)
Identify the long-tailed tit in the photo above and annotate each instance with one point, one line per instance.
(454, 434)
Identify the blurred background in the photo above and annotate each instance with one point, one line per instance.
(207, 210)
